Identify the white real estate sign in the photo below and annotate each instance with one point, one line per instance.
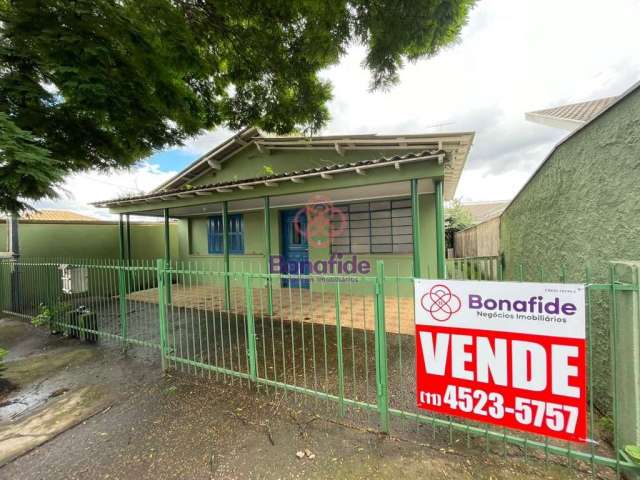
(508, 353)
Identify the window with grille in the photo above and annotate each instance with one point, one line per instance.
(235, 234)
(374, 227)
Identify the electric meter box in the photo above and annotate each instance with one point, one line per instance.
(75, 279)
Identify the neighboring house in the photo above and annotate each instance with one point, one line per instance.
(483, 211)
(570, 117)
(582, 204)
(578, 212)
(56, 216)
(63, 233)
(384, 196)
(483, 238)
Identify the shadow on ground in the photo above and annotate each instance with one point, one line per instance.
(145, 425)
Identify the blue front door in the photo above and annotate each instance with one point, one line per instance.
(295, 248)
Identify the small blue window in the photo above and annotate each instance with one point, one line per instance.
(235, 232)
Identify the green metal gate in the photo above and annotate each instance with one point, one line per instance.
(345, 344)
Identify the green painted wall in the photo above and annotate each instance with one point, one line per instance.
(193, 244)
(87, 240)
(582, 208)
(80, 241)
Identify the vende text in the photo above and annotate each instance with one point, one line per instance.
(521, 374)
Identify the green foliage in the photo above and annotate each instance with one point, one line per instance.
(47, 314)
(101, 84)
(26, 169)
(634, 452)
(267, 170)
(606, 427)
(456, 218)
(172, 390)
(3, 353)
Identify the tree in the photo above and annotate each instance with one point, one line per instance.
(456, 218)
(26, 169)
(101, 84)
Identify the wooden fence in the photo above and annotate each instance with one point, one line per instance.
(481, 240)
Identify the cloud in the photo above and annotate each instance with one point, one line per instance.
(80, 190)
(513, 57)
(201, 144)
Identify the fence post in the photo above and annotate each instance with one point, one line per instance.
(167, 252)
(162, 310)
(122, 297)
(225, 250)
(14, 250)
(251, 328)
(267, 253)
(625, 331)
(380, 334)
(340, 354)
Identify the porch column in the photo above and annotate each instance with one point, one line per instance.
(128, 234)
(129, 276)
(267, 253)
(415, 227)
(122, 283)
(121, 237)
(225, 251)
(167, 253)
(440, 254)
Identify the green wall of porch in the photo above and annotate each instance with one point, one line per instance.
(193, 247)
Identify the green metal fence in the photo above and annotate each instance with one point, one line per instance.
(474, 268)
(345, 344)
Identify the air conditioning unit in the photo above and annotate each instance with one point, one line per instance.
(75, 279)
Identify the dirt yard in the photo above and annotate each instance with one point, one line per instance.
(81, 411)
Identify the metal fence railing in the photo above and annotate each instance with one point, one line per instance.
(474, 268)
(346, 343)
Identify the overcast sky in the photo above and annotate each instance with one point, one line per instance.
(512, 57)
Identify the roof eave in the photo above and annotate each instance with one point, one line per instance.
(267, 181)
(569, 136)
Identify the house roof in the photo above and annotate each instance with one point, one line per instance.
(56, 216)
(570, 116)
(631, 90)
(483, 211)
(296, 176)
(453, 148)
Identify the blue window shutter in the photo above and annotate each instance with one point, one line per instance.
(215, 234)
(235, 232)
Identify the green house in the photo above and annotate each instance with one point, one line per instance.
(302, 205)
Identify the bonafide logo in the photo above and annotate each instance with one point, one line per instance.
(319, 222)
(335, 265)
(536, 304)
(440, 303)
(324, 221)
